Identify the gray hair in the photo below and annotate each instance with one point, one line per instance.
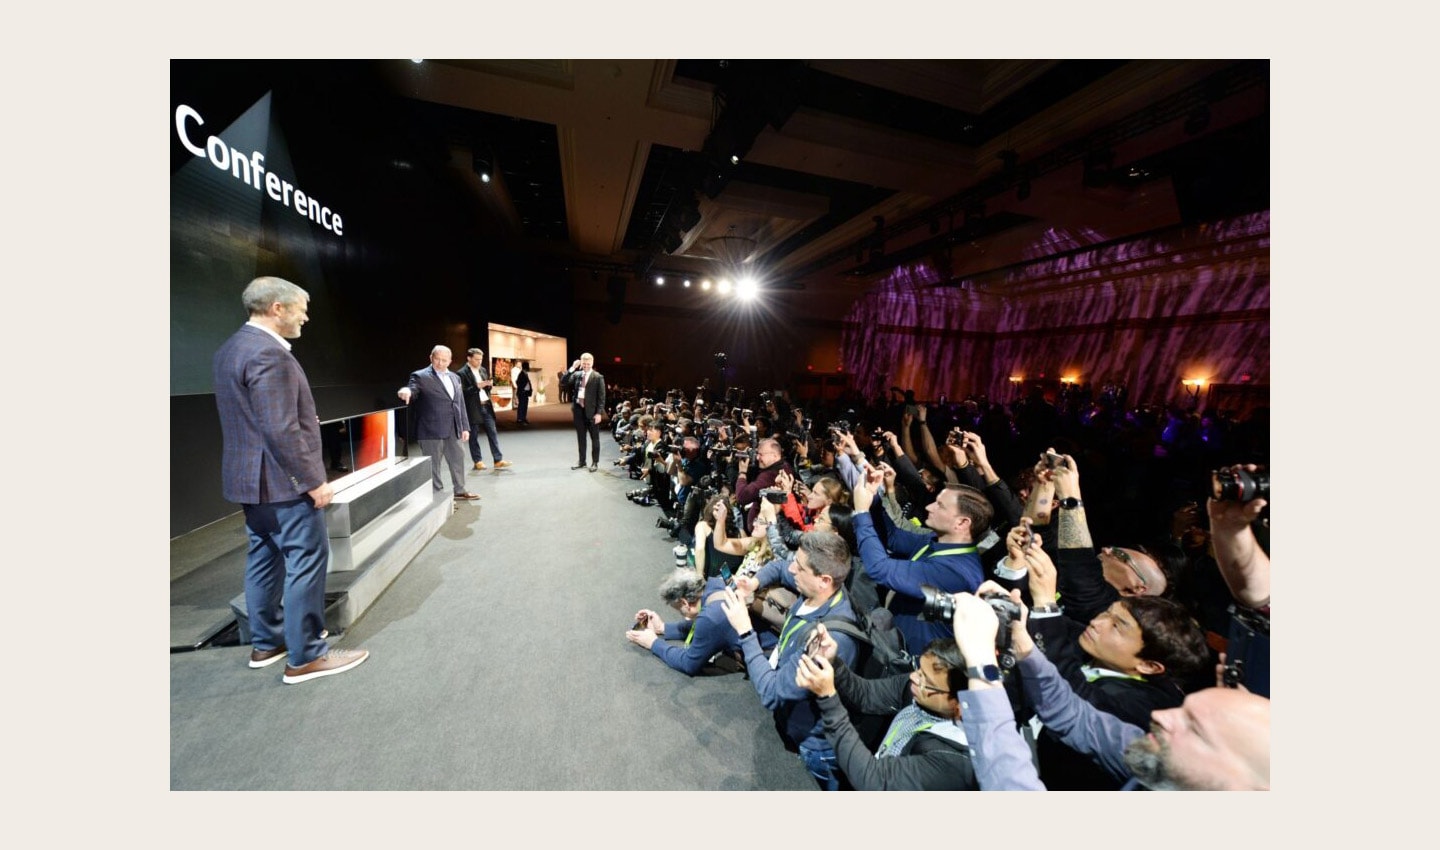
(261, 292)
(682, 584)
(439, 348)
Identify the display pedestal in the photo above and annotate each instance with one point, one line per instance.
(376, 528)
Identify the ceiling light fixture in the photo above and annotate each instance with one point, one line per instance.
(687, 283)
(724, 287)
(705, 285)
(659, 280)
(481, 164)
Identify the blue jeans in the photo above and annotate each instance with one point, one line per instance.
(487, 422)
(819, 759)
(285, 570)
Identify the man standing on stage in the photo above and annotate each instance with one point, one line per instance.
(475, 381)
(273, 467)
(441, 425)
(587, 389)
(521, 381)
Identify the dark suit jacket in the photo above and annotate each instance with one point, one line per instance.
(271, 435)
(437, 415)
(472, 392)
(594, 391)
(521, 382)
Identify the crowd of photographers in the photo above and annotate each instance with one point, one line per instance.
(926, 599)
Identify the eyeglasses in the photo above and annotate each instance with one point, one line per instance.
(925, 686)
(1124, 557)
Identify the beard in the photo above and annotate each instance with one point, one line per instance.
(1151, 767)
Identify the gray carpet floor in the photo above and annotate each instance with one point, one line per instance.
(498, 662)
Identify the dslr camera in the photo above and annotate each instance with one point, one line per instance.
(1240, 486)
(939, 607)
(773, 495)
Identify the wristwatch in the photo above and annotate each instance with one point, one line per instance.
(1070, 503)
(988, 672)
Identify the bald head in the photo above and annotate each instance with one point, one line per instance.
(1217, 740)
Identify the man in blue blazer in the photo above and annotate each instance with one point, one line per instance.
(273, 467)
(441, 425)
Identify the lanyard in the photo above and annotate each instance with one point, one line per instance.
(885, 745)
(787, 631)
(962, 550)
(1093, 673)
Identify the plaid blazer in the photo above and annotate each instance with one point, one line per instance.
(271, 434)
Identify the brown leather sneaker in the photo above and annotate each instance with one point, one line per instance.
(336, 661)
(465, 497)
(479, 464)
(260, 659)
(502, 464)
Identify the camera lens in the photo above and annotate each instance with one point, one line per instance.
(1240, 485)
(939, 606)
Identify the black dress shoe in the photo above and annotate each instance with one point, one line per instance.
(578, 466)
(594, 466)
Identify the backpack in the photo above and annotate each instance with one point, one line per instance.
(880, 652)
(880, 648)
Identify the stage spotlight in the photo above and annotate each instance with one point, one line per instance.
(734, 160)
(705, 285)
(481, 164)
(659, 280)
(687, 283)
(724, 286)
(747, 288)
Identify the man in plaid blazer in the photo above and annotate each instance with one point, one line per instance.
(273, 467)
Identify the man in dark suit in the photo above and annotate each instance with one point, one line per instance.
(475, 380)
(520, 379)
(273, 467)
(442, 425)
(587, 389)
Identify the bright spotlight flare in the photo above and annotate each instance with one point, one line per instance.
(724, 286)
(747, 289)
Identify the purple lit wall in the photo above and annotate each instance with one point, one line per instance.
(1145, 312)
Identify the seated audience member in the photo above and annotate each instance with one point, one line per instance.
(1091, 581)
(704, 628)
(714, 543)
(973, 467)
(817, 574)
(748, 484)
(924, 747)
(943, 556)
(1218, 739)
(1129, 660)
(818, 496)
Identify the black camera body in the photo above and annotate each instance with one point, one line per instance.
(1053, 460)
(1240, 486)
(773, 495)
(939, 607)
